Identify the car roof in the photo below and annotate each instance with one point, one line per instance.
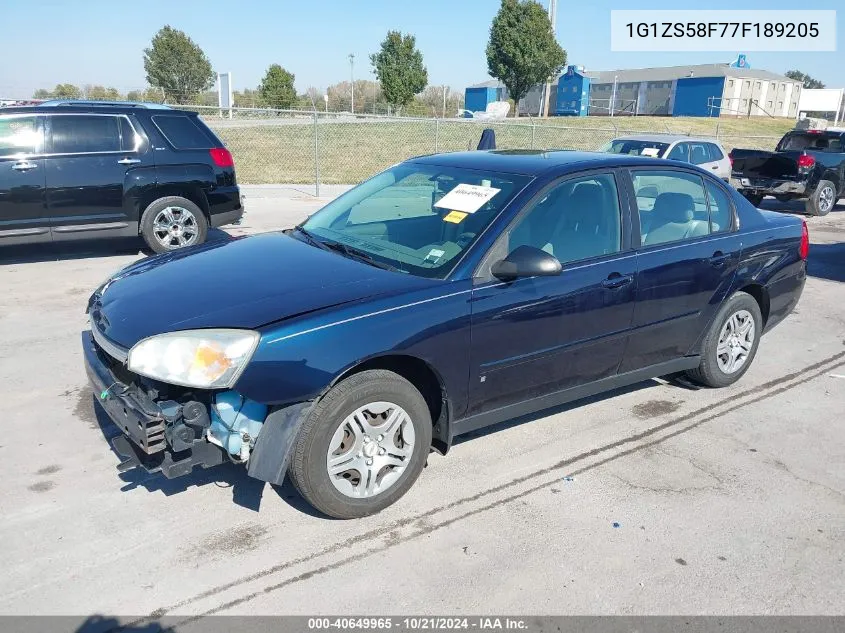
(115, 107)
(533, 162)
(665, 138)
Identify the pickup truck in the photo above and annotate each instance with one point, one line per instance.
(806, 164)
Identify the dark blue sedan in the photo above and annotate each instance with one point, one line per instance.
(445, 294)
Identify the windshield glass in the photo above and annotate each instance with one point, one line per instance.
(635, 148)
(417, 218)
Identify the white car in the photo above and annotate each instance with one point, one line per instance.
(706, 153)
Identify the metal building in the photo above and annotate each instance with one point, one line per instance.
(704, 90)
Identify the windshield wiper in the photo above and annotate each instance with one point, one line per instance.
(309, 237)
(357, 253)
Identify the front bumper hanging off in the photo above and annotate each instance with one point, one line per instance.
(168, 436)
(156, 435)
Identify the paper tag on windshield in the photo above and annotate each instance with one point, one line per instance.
(454, 217)
(467, 198)
(650, 151)
(434, 255)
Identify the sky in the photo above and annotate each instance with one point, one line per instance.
(98, 42)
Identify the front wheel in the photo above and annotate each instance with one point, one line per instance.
(731, 342)
(362, 446)
(822, 200)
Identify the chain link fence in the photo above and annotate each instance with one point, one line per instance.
(301, 147)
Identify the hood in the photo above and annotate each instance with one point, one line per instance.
(240, 283)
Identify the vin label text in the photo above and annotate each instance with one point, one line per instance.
(722, 30)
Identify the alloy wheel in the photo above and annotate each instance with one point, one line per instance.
(175, 227)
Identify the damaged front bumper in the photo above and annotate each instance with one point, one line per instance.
(172, 433)
(158, 436)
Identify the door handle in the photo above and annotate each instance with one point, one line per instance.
(24, 166)
(128, 161)
(615, 280)
(719, 259)
(715, 167)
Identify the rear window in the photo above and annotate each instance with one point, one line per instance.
(811, 141)
(184, 132)
(715, 152)
(635, 148)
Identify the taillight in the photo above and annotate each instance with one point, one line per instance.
(804, 247)
(805, 161)
(221, 157)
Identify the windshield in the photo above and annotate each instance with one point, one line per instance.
(416, 218)
(635, 148)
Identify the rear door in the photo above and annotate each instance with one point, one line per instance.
(89, 158)
(688, 254)
(23, 216)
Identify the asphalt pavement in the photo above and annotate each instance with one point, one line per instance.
(655, 499)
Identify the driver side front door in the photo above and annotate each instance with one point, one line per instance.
(536, 336)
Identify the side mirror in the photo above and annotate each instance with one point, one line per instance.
(526, 261)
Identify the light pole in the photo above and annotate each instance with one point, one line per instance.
(352, 79)
(613, 96)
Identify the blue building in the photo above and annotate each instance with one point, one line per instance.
(477, 97)
(573, 93)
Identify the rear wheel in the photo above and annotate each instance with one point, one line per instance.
(822, 200)
(731, 342)
(172, 223)
(753, 198)
(362, 446)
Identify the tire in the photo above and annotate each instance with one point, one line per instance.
(327, 439)
(822, 200)
(754, 198)
(714, 371)
(188, 224)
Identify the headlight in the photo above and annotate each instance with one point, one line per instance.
(208, 359)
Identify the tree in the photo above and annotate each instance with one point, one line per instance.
(808, 81)
(42, 93)
(177, 65)
(99, 93)
(134, 95)
(66, 91)
(522, 51)
(399, 68)
(277, 87)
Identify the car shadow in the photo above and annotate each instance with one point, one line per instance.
(86, 249)
(247, 492)
(508, 424)
(827, 261)
(796, 206)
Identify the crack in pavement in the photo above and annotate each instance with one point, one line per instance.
(426, 528)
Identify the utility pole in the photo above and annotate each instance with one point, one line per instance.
(352, 80)
(544, 105)
(445, 91)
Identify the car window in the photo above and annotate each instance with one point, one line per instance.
(575, 220)
(74, 134)
(635, 148)
(698, 154)
(809, 140)
(129, 140)
(182, 132)
(715, 152)
(679, 152)
(19, 135)
(720, 208)
(416, 217)
(672, 206)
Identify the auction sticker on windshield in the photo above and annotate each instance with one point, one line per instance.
(467, 198)
(650, 151)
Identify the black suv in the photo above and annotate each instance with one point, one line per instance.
(74, 169)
